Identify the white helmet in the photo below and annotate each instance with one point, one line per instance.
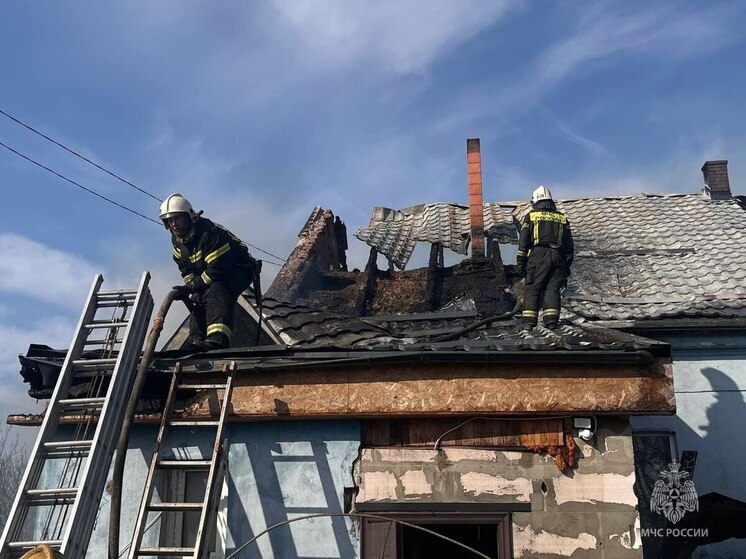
(176, 204)
(541, 193)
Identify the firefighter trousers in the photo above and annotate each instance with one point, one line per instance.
(546, 275)
(212, 315)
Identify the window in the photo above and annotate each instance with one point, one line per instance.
(485, 532)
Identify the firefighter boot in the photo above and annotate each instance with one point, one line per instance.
(217, 340)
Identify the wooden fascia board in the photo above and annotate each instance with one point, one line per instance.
(438, 389)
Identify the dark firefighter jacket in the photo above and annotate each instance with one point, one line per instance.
(546, 227)
(210, 254)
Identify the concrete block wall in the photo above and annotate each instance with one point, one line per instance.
(588, 512)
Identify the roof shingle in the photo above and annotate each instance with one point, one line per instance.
(654, 256)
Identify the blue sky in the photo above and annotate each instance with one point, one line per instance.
(258, 111)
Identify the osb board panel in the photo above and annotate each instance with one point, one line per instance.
(409, 390)
(481, 432)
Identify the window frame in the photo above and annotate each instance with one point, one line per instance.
(503, 521)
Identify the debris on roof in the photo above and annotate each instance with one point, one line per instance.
(395, 233)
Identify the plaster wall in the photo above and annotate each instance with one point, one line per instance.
(590, 512)
(277, 472)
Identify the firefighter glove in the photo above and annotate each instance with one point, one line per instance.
(182, 292)
(521, 267)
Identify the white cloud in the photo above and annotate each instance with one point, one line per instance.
(570, 133)
(402, 36)
(38, 271)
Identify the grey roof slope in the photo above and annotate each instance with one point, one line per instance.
(395, 233)
(300, 326)
(655, 256)
(303, 328)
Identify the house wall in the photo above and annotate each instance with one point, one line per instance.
(709, 383)
(283, 470)
(277, 471)
(580, 514)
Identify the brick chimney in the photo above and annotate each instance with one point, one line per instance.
(717, 185)
(476, 208)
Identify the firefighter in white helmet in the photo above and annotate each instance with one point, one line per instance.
(545, 254)
(216, 267)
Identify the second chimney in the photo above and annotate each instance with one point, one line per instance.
(476, 208)
(717, 184)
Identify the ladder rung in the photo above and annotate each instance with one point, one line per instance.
(185, 464)
(201, 386)
(175, 507)
(166, 551)
(93, 325)
(49, 496)
(68, 445)
(94, 373)
(94, 362)
(114, 303)
(130, 294)
(55, 544)
(53, 492)
(103, 342)
(83, 402)
(191, 423)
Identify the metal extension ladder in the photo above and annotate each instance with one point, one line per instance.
(57, 501)
(215, 468)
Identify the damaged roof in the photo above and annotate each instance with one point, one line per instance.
(300, 326)
(448, 331)
(395, 233)
(656, 256)
(641, 257)
(297, 327)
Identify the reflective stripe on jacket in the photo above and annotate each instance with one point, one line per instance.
(210, 254)
(548, 228)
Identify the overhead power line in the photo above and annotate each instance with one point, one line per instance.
(265, 252)
(117, 204)
(63, 177)
(105, 170)
(76, 154)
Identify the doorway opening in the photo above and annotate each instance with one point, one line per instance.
(487, 533)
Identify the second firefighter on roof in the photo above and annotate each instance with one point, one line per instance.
(545, 254)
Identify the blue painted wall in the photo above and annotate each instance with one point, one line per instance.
(283, 470)
(277, 471)
(710, 385)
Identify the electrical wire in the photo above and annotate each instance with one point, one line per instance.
(105, 170)
(355, 515)
(63, 177)
(457, 427)
(121, 206)
(76, 154)
(127, 547)
(102, 168)
(265, 252)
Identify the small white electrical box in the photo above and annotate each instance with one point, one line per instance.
(582, 422)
